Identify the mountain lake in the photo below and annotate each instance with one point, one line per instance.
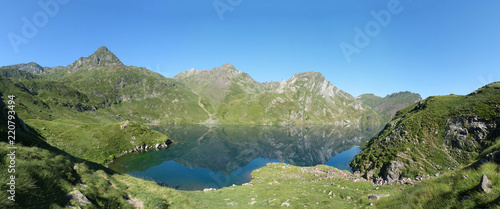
(204, 156)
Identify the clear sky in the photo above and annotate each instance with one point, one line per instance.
(428, 47)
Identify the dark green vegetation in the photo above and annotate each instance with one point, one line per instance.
(437, 134)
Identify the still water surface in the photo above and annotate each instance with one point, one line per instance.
(220, 156)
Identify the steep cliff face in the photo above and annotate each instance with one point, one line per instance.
(437, 134)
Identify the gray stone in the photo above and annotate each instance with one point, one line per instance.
(79, 197)
(232, 203)
(285, 203)
(377, 196)
(485, 184)
(393, 171)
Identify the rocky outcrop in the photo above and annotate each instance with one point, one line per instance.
(470, 134)
(436, 135)
(144, 147)
(79, 197)
(31, 67)
(392, 171)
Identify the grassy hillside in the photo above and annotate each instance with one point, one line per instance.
(437, 134)
(230, 96)
(96, 142)
(387, 106)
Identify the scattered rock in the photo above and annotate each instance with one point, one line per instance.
(232, 203)
(76, 168)
(124, 125)
(369, 175)
(377, 196)
(330, 193)
(79, 197)
(485, 184)
(285, 203)
(247, 184)
(253, 202)
(209, 189)
(465, 176)
(348, 198)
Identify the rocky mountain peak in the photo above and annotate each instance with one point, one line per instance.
(101, 57)
(31, 67)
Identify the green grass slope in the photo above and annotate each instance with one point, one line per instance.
(437, 134)
(387, 106)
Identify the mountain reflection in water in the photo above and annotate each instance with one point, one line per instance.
(218, 156)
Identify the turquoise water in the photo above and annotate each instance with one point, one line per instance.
(220, 156)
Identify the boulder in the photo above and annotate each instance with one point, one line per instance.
(485, 184)
(79, 197)
(393, 170)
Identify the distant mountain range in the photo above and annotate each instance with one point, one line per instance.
(100, 85)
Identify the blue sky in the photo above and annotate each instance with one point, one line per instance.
(428, 47)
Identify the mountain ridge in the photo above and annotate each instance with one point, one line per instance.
(220, 95)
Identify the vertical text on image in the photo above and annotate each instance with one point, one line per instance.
(11, 156)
